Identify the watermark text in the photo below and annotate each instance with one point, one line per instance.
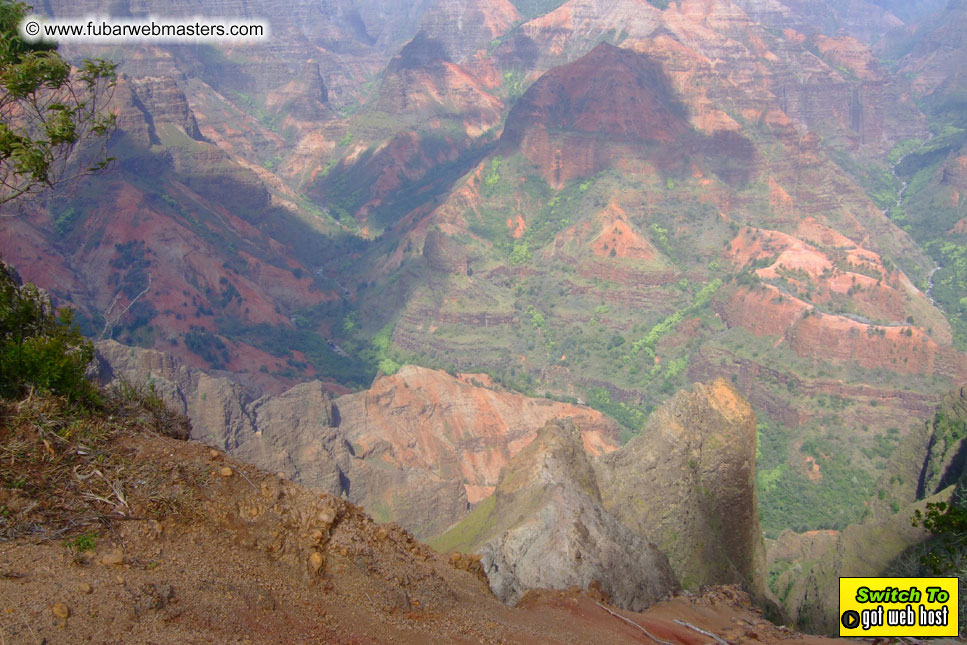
(111, 31)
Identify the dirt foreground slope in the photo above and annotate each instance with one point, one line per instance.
(254, 558)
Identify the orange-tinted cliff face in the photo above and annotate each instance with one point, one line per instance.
(702, 69)
(422, 82)
(695, 126)
(455, 428)
(608, 234)
(618, 238)
(424, 126)
(766, 311)
(184, 283)
(831, 299)
(570, 30)
(829, 270)
(841, 339)
(851, 54)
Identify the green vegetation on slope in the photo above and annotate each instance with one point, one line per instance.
(945, 553)
(62, 466)
(533, 8)
(702, 298)
(789, 499)
(931, 207)
(40, 348)
(466, 535)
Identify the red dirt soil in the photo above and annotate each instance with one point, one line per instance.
(265, 561)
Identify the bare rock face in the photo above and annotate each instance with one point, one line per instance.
(145, 104)
(468, 25)
(304, 98)
(551, 530)
(687, 483)
(416, 448)
(459, 430)
(685, 489)
(164, 101)
(423, 80)
(290, 433)
(294, 433)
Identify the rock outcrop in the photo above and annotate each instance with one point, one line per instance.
(426, 419)
(583, 117)
(291, 432)
(687, 483)
(685, 487)
(947, 450)
(546, 527)
(203, 548)
(417, 448)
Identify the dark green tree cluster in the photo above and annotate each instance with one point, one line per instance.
(945, 554)
(948, 524)
(40, 348)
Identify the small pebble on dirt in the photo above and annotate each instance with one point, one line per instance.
(113, 557)
(85, 588)
(326, 515)
(213, 453)
(315, 561)
(61, 610)
(226, 472)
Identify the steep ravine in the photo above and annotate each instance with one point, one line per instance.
(416, 448)
(677, 505)
(248, 556)
(805, 568)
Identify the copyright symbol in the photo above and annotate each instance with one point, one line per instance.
(32, 27)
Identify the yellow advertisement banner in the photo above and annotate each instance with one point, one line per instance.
(871, 607)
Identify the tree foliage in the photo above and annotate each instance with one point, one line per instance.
(40, 348)
(948, 522)
(53, 126)
(945, 554)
